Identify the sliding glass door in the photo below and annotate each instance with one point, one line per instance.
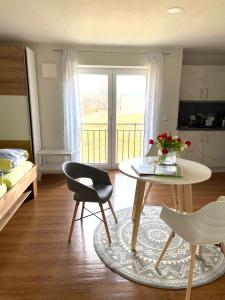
(112, 104)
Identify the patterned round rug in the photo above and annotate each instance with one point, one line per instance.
(139, 266)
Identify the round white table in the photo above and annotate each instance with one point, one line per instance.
(193, 172)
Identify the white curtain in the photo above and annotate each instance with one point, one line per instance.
(71, 104)
(153, 98)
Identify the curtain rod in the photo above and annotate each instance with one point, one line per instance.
(110, 52)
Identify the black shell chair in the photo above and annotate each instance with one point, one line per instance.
(99, 191)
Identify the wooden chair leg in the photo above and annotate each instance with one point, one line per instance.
(199, 251)
(164, 249)
(112, 210)
(146, 195)
(105, 223)
(192, 265)
(82, 211)
(222, 248)
(73, 220)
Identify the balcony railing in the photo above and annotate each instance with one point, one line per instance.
(94, 143)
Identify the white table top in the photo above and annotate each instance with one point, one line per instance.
(193, 172)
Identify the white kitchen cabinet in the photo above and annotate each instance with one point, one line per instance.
(192, 82)
(213, 152)
(195, 152)
(202, 83)
(215, 83)
(207, 147)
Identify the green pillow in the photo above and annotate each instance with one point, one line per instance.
(6, 165)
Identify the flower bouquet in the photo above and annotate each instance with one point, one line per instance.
(168, 146)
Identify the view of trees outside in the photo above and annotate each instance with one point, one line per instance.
(130, 97)
(94, 110)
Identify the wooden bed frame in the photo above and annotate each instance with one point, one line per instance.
(14, 197)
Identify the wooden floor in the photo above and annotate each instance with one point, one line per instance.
(36, 261)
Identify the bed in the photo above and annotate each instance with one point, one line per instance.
(17, 186)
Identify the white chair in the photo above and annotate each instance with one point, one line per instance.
(206, 226)
(153, 151)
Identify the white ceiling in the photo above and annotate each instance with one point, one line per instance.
(115, 22)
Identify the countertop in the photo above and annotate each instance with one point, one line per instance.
(200, 128)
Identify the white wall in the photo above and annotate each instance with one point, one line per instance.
(50, 90)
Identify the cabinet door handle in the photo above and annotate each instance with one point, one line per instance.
(206, 96)
(204, 137)
(201, 93)
(201, 139)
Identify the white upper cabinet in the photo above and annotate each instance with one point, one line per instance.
(205, 83)
(192, 82)
(215, 83)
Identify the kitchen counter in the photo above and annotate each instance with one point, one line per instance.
(200, 128)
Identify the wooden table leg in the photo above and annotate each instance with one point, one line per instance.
(185, 203)
(180, 198)
(136, 197)
(188, 201)
(174, 196)
(184, 197)
(146, 196)
(137, 208)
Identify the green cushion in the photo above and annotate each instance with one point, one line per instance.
(10, 179)
(10, 158)
(6, 165)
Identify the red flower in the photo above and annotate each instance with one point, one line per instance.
(188, 143)
(160, 137)
(151, 142)
(164, 135)
(169, 138)
(179, 140)
(165, 151)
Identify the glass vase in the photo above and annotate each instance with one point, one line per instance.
(167, 159)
